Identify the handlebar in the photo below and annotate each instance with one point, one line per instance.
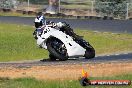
(52, 24)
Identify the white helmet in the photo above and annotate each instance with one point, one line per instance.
(39, 20)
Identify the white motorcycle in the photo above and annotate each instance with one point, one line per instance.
(62, 44)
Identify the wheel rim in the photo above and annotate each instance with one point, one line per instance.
(59, 47)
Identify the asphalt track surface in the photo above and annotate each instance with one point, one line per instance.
(126, 57)
(114, 26)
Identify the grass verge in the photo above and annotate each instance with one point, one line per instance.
(33, 83)
(17, 42)
(15, 14)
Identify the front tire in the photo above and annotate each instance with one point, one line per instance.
(54, 46)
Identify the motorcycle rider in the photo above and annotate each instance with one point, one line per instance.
(40, 22)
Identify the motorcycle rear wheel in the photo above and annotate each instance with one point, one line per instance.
(89, 53)
(52, 58)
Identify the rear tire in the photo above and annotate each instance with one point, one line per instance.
(51, 57)
(89, 53)
(54, 52)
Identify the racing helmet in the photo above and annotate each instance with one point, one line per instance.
(39, 20)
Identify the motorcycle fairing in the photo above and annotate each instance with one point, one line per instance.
(73, 48)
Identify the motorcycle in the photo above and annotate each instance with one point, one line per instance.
(62, 43)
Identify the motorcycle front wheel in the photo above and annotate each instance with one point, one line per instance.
(57, 49)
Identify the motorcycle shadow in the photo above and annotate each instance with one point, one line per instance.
(70, 59)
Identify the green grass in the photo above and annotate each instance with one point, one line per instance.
(17, 42)
(33, 83)
(105, 43)
(15, 14)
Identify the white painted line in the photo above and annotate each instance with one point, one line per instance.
(96, 31)
(125, 53)
(117, 54)
(108, 55)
